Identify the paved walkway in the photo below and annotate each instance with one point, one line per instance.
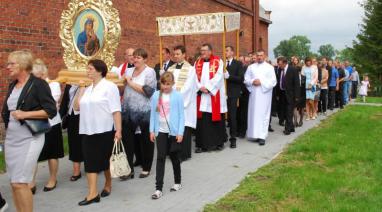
(205, 178)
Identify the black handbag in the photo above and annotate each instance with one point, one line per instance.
(35, 126)
(38, 126)
(174, 145)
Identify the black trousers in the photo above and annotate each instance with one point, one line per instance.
(163, 147)
(323, 103)
(289, 108)
(282, 107)
(340, 96)
(146, 146)
(137, 148)
(354, 89)
(332, 97)
(232, 117)
(242, 115)
(186, 144)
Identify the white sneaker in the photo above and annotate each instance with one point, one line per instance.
(176, 187)
(4, 208)
(157, 194)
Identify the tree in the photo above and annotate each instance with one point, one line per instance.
(368, 46)
(297, 45)
(345, 54)
(326, 51)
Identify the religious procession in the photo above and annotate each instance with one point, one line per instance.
(119, 109)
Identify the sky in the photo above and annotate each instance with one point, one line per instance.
(333, 22)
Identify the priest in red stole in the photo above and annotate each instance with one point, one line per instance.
(211, 102)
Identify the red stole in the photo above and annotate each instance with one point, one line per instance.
(215, 100)
(123, 70)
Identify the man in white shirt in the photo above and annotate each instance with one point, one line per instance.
(167, 63)
(260, 78)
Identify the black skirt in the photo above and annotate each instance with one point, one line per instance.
(74, 138)
(209, 134)
(97, 150)
(54, 145)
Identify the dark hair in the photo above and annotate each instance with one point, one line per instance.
(140, 52)
(231, 47)
(308, 59)
(181, 48)
(282, 59)
(260, 50)
(99, 66)
(167, 50)
(208, 45)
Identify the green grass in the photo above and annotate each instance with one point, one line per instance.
(336, 166)
(2, 161)
(371, 99)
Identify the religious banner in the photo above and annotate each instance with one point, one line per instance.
(89, 29)
(208, 23)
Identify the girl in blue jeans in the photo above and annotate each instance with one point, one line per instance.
(166, 129)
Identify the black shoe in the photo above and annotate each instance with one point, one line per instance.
(281, 123)
(233, 144)
(198, 150)
(136, 163)
(261, 142)
(292, 130)
(46, 189)
(75, 178)
(105, 193)
(88, 202)
(220, 147)
(270, 129)
(286, 132)
(33, 190)
(126, 177)
(141, 175)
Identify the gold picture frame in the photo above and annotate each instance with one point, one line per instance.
(89, 29)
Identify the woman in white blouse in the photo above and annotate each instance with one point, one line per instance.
(53, 147)
(100, 125)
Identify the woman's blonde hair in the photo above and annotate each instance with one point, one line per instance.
(24, 58)
(39, 67)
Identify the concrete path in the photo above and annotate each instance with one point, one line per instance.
(205, 178)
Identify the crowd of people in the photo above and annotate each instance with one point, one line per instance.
(164, 106)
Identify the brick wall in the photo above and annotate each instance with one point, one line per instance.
(35, 25)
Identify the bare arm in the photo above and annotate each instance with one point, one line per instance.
(118, 125)
(77, 98)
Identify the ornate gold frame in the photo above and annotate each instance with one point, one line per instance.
(74, 60)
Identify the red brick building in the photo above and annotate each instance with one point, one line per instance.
(35, 25)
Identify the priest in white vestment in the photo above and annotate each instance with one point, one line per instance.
(211, 102)
(186, 84)
(259, 79)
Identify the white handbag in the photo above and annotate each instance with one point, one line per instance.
(119, 166)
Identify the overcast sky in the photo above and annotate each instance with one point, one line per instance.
(333, 22)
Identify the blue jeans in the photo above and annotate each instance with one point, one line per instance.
(345, 92)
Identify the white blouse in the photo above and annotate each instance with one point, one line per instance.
(55, 89)
(97, 106)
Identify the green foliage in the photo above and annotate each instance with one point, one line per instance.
(368, 47)
(327, 51)
(297, 45)
(345, 54)
(336, 166)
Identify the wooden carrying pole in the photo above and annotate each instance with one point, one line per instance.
(223, 49)
(160, 48)
(237, 44)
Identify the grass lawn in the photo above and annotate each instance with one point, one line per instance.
(371, 99)
(2, 162)
(334, 167)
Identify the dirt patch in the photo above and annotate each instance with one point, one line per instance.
(261, 178)
(376, 116)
